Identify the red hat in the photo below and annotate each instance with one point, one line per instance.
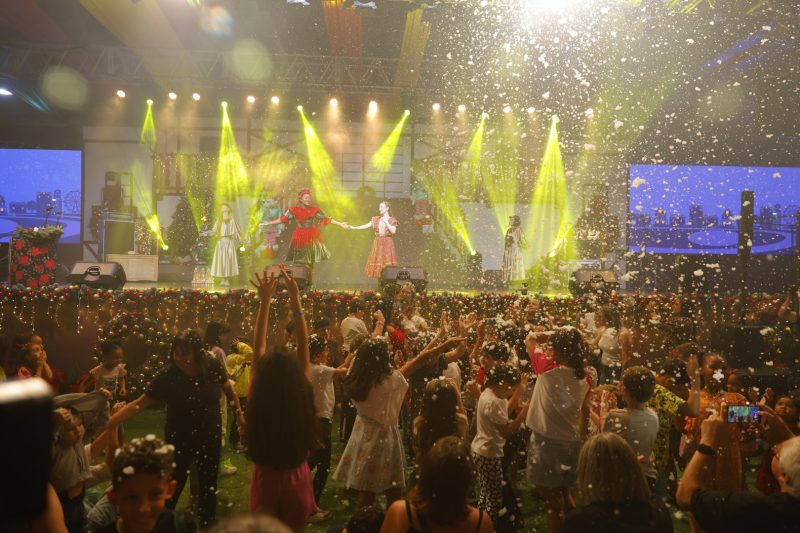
(303, 191)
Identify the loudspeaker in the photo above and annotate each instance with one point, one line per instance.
(118, 236)
(391, 275)
(298, 271)
(97, 275)
(586, 280)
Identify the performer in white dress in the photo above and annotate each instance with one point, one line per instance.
(225, 264)
(513, 267)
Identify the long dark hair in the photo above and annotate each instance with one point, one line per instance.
(445, 481)
(283, 428)
(438, 417)
(214, 330)
(370, 367)
(570, 349)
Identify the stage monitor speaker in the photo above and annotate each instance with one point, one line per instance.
(118, 236)
(298, 271)
(97, 275)
(391, 275)
(586, 280)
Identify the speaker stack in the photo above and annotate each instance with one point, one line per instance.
(97, 275)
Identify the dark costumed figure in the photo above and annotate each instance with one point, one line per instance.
(306, 246)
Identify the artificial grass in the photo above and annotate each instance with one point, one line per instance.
(234, 490)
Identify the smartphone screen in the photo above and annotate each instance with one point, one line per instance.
(743, 414)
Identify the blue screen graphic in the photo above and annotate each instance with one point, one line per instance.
(696, 209)
(39, 187)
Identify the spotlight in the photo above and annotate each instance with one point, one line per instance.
(556, 120)
(436, 106)
(165, 247)
(149, 101)
(300, 108)
(507, 109)
(462, 108)
(531, 109)
(251, 99)
(406, 112)
(484, 115)
(196, 97)
(298, 2)
(120, 93)
(373, 108)
(241, 248)
(334, 102)
(172, 96)
(224, 104)
(275, 100)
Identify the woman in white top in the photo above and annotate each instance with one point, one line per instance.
(559, 417)
(373, 460)
(610, 338)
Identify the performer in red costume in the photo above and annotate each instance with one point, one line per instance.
(307, 246)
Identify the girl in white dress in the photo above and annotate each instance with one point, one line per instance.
(225, 264)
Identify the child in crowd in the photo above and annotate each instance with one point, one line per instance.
(441, 416)
(217, 336)
(493, 428)
(637, 423)
(559, 418)
(239, 364)
(373, 460)
(71, 464)
(141, 486)
(322, 377)
(33, 360)
(110, 373)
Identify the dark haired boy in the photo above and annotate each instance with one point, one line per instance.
(141, 486)
(637, 423)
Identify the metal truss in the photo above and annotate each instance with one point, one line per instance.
(214, 69)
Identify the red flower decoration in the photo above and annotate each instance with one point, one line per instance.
(44, 278)
(20, 245)
(36, 251)
(19, 276)
(50, 264)
(24, 260)
(33, 284)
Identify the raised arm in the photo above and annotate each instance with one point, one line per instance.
(266, 288)
(427, 355)
(300, 326)
(362, 226)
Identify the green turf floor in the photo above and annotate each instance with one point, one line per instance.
(234, 490)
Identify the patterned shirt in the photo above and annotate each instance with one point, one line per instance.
(666, 405)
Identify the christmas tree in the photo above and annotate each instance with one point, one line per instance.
(182, 233)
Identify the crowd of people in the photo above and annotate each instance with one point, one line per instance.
(618, 424)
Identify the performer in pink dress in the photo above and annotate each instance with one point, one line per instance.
(383, 251)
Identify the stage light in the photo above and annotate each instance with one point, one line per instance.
(251, 99)
(462, 108)
(406, 112)
(241, 248)
(196, 97)
(436, 106)
(149, 101)
(224, 104)
(172, 96)
(300, 108)
(484, 115)
(531, 110)
(507, 109)
(165, 247)
(120, 93)
(334, 102)
(275, 100)
(373, 109)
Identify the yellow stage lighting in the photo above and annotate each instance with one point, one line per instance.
(149, 101)
(196, 97)
(251, 99)
(121, 93)
(275, 100)
(507, 109)
(436, 106)
(172, 96)
(373, 109)
(462, 108)
(334, 102)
